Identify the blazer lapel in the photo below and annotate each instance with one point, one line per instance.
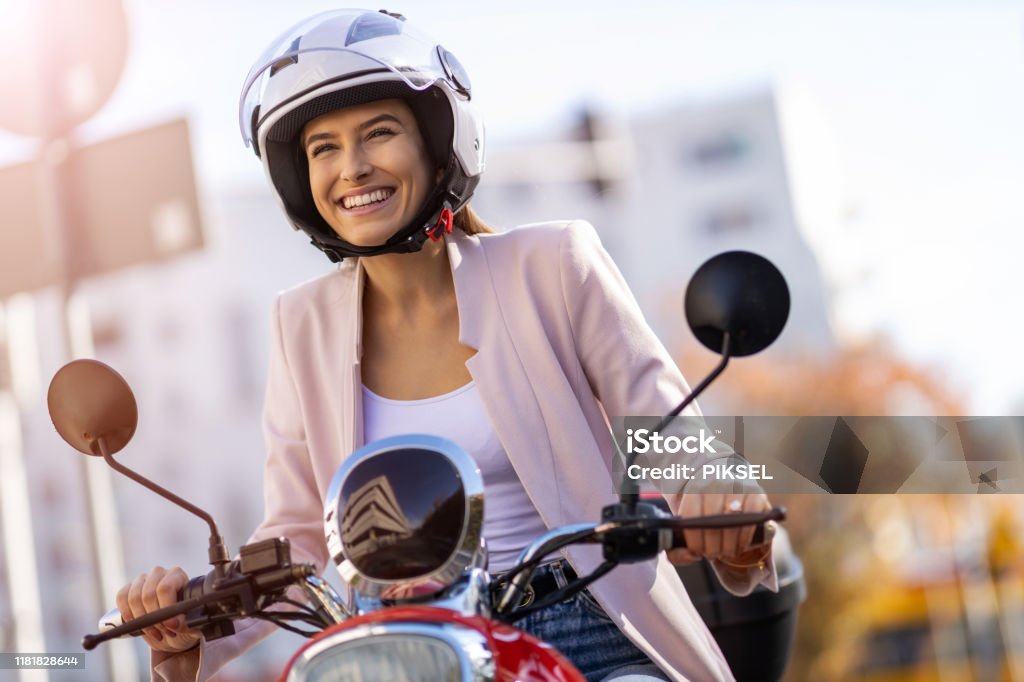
(352, 381)
(339, 335)
(500, 376)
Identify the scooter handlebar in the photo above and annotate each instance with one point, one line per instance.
(763, 533)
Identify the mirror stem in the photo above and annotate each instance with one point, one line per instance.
(218, 551)
(630, 493)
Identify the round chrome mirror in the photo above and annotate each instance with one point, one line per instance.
(404, 516)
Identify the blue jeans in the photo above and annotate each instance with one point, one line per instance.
(581, 630)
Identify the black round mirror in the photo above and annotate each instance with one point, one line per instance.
(403, 513)
(87, 401)
(741, 293)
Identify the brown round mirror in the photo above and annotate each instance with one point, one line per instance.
(87, 401)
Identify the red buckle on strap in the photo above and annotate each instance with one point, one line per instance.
(443, 225)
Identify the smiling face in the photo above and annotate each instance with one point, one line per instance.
(369, 170)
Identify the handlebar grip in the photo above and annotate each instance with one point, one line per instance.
(202, 593)
(763, 534)
(193, 589)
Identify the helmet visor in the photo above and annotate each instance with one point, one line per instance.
(336, 46)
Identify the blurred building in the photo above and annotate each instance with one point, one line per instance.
(670, 189)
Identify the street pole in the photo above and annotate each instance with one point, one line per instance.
(16, 524)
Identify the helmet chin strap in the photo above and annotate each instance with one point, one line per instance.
(433, 220)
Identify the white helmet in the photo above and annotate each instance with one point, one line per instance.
(347, 57)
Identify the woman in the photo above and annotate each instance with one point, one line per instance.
(514, 345)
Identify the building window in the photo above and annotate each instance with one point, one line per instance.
(723, 149)
(729, 219)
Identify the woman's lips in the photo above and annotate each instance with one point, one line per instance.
(368, 208)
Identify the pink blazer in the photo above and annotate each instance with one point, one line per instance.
(558, 336)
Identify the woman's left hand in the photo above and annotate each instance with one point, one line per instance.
(728, 544)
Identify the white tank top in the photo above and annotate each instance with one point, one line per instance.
(510, 518)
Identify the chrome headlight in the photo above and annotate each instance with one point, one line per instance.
(402, 652)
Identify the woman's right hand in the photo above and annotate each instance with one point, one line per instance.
(152, 591)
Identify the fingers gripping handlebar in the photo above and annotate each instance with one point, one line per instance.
(208, 608)
(763, 532)
(627, 534)
(211, 604)
(639, 533)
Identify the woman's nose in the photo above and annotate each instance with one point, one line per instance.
(355, 166)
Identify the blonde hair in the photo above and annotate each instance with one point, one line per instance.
(470, 222)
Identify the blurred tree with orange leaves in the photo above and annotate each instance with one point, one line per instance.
(832, 534)
(866, 380)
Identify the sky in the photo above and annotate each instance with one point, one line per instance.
(925, 100)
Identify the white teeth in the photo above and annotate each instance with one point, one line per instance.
(364, 199)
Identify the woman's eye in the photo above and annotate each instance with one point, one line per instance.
(320, 148)
(378, 132)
